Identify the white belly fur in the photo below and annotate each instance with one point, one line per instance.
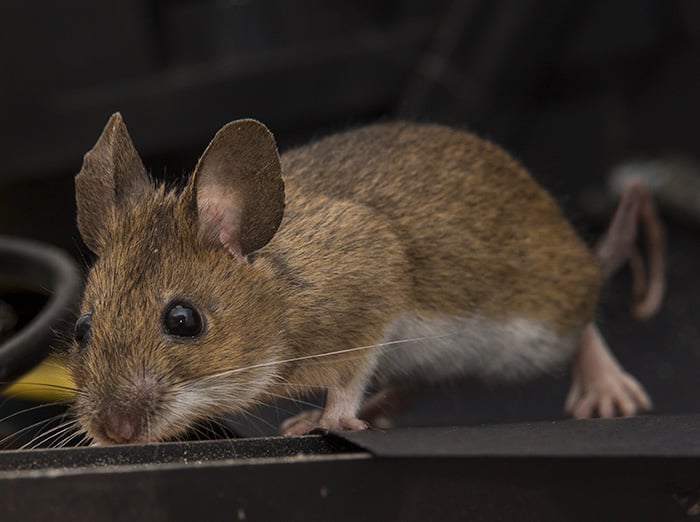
(454, 347)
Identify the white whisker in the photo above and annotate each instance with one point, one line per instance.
(319, 355)
(33, 408)
(47, 435)
(17, 434)
(70, 437)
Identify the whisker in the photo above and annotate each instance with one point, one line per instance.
(197, 431)
(148, 424)
(85, 441)
(65, 442)
(305, 387)
(33, 408)
(209, 428)
(17, 434)
(295, 400)
(258, 417)
(48, 435)
(31, 383)
(215, 422)
(68, 434)
(324, 354)
(59, 420)
(28, 388)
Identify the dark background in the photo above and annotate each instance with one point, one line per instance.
(570, 87)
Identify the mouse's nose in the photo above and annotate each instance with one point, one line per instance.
(122, 427)
(122, 417)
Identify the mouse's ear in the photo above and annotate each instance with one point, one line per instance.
(111, 176)
(239, 188)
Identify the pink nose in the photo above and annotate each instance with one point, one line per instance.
(121, 427)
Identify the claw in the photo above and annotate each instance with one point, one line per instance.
(309, 420)
(600, 386)
(301, 424)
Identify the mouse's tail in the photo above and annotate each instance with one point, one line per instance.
(618, 246)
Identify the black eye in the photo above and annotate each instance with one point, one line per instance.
(82, 328)
(182, 320)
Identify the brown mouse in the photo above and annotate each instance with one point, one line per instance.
(391, 255)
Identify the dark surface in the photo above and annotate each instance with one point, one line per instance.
(648, 436)
(483, 473)
(358, 488)
(182, 453)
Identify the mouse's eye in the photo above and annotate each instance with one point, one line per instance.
(182, 319)
(82, 328)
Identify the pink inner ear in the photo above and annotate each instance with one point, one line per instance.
(220, 217)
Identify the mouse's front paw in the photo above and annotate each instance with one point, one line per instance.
(301, 423)
(615, 393)
(309, 420)
(343, 424)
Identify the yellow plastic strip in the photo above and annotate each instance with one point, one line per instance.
(49, 381)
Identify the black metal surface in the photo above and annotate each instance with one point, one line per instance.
(362, 489)
(413, 475)
(182, 453)
(647, 436)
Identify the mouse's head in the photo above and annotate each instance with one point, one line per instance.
(175, 313)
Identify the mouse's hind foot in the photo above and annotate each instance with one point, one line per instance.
(600, 387)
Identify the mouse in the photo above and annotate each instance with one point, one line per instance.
(385, 257)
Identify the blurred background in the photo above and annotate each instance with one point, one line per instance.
(580, 92)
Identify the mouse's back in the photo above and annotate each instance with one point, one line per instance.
(482, 236)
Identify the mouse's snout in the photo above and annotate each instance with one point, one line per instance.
(127, 416)
(122, 427)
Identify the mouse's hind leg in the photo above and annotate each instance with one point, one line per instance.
(600, 386)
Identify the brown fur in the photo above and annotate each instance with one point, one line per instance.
(381, 221)
(480, 235)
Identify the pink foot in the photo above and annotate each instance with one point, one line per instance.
(301, 423)
(339, 413)
(309, 420)
(343, 424)
(600, 386)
